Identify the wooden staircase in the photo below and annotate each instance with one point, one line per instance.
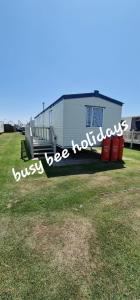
(40, 140)
(40, 147)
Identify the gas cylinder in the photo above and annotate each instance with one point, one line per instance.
(114, 148)
(121, 147)
(105, 156)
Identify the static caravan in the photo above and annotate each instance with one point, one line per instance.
(69, 119)
(132, 135)
(133, 123)
(1, 127)
(72, 116)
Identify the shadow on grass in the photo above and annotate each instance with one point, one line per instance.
(93, 167)
(25, 153)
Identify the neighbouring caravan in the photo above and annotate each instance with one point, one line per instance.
(72, 116)
(1, 127)
(132, 135)
(133, 123)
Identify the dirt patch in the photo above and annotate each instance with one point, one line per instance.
(68, 244)
(94, 180)
(66, 248)
(34, 185)
(124, 199)
(30, 185)
(100, 180)
(75, 235)
(4, 225)
(137, 212)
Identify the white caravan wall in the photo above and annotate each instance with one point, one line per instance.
(69, 119)
(75, 118)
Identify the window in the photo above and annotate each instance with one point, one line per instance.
(94, 116)
(50, 117)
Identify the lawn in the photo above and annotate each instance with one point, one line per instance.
(72, 232)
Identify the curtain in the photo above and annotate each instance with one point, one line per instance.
(94, 116)
(88, 116)
(97, 117)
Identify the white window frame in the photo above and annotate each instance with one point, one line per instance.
(91, 117)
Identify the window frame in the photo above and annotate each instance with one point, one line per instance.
(91, 117)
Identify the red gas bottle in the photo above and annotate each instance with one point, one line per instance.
(114, 148)
(105, 156)
(121, 147)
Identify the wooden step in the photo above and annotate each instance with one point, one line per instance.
(48, 152)
(42, 145)
(43, 149)
(42, 155)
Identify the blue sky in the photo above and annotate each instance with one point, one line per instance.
(54, 47)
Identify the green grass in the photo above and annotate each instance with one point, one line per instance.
(70, 233)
